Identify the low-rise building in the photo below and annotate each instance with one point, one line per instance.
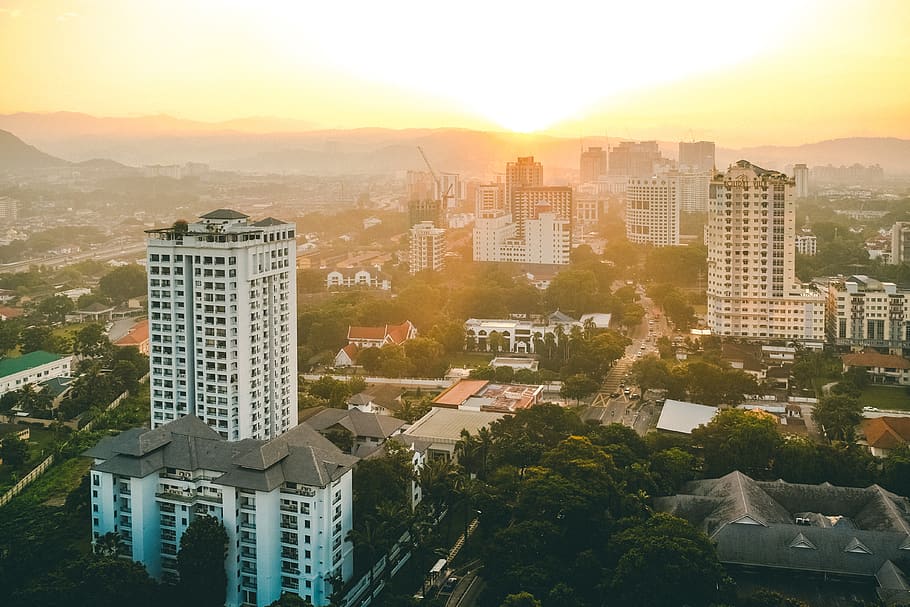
(483, 395)
(360, 338)
(366, 432)
(351, 278)
(883, 434)
(286, 504)
(682, 417)
(138, 337)
(517, 335)
(32, 368)
(880, 368)
(865, 312)
(383, 399)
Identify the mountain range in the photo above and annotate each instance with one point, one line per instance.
(266, 144)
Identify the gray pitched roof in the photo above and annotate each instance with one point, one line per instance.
(300, 455)
(358, 423)
(841, 530)
(224, 214)
(268, 221)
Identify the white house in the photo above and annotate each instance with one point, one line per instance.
(357, 277)
(32, 368)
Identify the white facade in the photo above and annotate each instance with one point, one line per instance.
(547, 240)
(285, 517)
(806, 244)
(900, 242)
(518, 336)
(32, 368)
(428, 248)
(223, 324)
(489, 198)
(652, 210)
(752, 286)
(694, 189)
(351, 278)
(864, 312)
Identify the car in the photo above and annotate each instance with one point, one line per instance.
(449, 584)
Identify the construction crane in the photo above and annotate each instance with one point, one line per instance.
(444, 195)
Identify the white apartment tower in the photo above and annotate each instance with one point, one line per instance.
(900, 242)
(223, 325)
(427, 248)
(652, 210)
(285, 504)
(750, 235)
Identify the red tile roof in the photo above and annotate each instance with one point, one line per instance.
(872, 359)
(138, 334)
(366, 332)
(399, 333)
(396, 334)
(887, 432)
(11, 312)
(460, 392)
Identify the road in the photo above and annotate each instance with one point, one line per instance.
(58, 261)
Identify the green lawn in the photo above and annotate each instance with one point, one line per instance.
(886, 397)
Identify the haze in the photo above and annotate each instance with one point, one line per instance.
(738, 73)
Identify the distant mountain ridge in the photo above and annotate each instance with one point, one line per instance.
(278, 145)
(15, 154)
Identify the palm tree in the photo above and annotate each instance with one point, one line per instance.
(110, 544)
(372, 540)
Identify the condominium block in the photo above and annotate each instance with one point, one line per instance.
(636, 159)
(524, 173)
(593, 164)
(223, 324)
(652, 210)
(427, 248)
(801, 177)
(900, 242)
(694, 189)
(286, 505)
(490, 199)
(867, 313)
(806, 244)
(526, 202)
(750, 235)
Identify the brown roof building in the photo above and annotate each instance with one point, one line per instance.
(886, 433)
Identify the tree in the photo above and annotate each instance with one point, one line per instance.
(13, 451)
(769, 598)
(426, 355)
(738, 440)
(9, 335)
(55, 308)
(200, 562)
(665, 562)
(32, 339)
(123, 283)
(110, 544)
(522, 599)
(289, 599)
(838, 415)
(91, 341)
(574, 292)
(578, 386)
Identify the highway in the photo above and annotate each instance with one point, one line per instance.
(59, 261)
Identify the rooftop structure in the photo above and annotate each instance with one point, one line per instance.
(32, 368)
(683, 417)
(482, 395)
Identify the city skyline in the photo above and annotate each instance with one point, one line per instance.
(693, 78)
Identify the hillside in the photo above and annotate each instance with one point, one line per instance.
(16, 155)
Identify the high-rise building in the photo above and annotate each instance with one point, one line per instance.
(593, 164)
(547, 239)
(696, 156)
(801, 177)
(425, 209)
(286, 505)
(490, 198)
(526, 201)
(750, 236)
(525, 173)
(450, 186)
(223, 324)
(635, 159)
(867, 313)
(652, 210)
(427, 247)
(693, 191)
(900, 242)
(420, 186)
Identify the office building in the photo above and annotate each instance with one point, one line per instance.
(652, 210)
(593, 164)
(223, 324)
(801, 177)
(490, 199)
(635, 159)
(900, 242)
(696, 156)
(750, 235)
(427, 248)
(286, 505)
(867, 313)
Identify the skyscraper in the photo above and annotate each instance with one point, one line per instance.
(593, 164)
(652, 210)
(750, 235)
(638, 159)
(801, 176)
(223, 324)
(696, 156)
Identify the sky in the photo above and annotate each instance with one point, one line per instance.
(740, 73)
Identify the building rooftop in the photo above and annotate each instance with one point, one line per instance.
(224, 214)
(10, 366)
(138, 334)
(680, 416)
(300, 455)
(482, 395)
(873, 359)
(886, 432)
(445, 425)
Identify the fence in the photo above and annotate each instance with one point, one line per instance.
(40, 468)
(26, 480)
(398, 381)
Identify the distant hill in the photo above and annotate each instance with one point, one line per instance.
(279, 145)
(15, 154)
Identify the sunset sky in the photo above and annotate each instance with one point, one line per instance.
(740, 73)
